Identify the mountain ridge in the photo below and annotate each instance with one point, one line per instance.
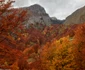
(76, 17)
(39, 15)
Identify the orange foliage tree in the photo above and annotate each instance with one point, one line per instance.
(79, 43)
(9, 20)
(67, 53)
(59, 55)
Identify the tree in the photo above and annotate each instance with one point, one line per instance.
(79, 43)
(59, 55)
(10, 19)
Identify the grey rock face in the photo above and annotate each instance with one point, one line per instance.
(37, 9)
(77, 17)
(38, 15)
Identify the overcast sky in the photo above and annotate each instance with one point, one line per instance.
(57, 8)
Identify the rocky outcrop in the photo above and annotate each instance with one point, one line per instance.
(37, 15)
(77, 17)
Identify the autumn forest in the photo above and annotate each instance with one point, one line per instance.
(39, 47)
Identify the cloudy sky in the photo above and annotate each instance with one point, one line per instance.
(57, 8)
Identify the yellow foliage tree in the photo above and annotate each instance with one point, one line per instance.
(59, 55)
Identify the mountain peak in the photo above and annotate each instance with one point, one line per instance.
(38, 15)
(35, 5)
(37, 9)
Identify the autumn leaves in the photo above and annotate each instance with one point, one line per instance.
(51, 48)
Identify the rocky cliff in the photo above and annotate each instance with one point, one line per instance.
(37, 15)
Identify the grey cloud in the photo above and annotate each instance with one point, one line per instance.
(21, 3)
(58, 8)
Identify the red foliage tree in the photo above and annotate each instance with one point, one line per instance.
(79, 42)
(9, 21)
